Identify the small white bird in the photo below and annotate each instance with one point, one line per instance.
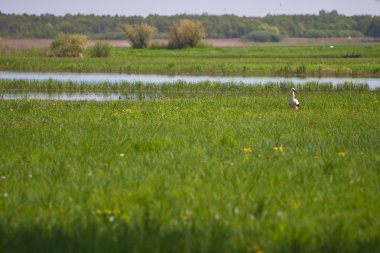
(293, 101)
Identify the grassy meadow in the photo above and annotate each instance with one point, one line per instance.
(214, 172)
(309, 59)
(209, 167)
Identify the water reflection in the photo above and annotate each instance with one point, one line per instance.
(76, 96)
(93, 78)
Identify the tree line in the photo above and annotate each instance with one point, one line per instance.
(270, 27)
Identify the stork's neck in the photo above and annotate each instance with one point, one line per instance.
(293, 94)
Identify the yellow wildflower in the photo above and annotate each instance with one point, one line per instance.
(342, 154)
(248, 150)
(295, 203)
(258, 249)
(127, 110)
(279, 148)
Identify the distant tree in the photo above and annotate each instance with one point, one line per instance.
(161, 23)
(374, 27)
(186, 33)
(362, 23)
(138, 34)
(67, 45)
(294, 29)
(268, 28)
(65, 27)
(327, 23)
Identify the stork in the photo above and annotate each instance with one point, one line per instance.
(293, 101)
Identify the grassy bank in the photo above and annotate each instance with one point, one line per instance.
(213, 173)
(314, 59)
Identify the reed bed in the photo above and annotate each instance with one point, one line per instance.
(179, 86)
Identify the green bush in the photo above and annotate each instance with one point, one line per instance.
(139, 34)
(101, 49)
(262, 36)
(67, 45)
(186, 33)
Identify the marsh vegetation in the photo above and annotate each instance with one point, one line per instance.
(210, 172)
(213, 168)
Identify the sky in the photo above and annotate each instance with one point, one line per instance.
(249, 8)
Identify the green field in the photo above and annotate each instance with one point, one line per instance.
(209, 167)
(314, 59)
(213, 172)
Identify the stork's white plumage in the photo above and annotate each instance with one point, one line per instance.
(293, 101)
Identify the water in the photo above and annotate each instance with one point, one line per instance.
(76, 96)
(92, 78)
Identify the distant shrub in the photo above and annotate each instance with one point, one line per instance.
(186, 33)
(138, 34)
(67, 45)
(262, 36)
(101, 49)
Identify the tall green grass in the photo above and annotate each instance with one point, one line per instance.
(212, 173)
(260, 59)
(179, 86)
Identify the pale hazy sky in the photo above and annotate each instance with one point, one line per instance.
(170, 7)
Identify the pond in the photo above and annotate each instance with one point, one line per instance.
(92, 78)
(80, 96)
